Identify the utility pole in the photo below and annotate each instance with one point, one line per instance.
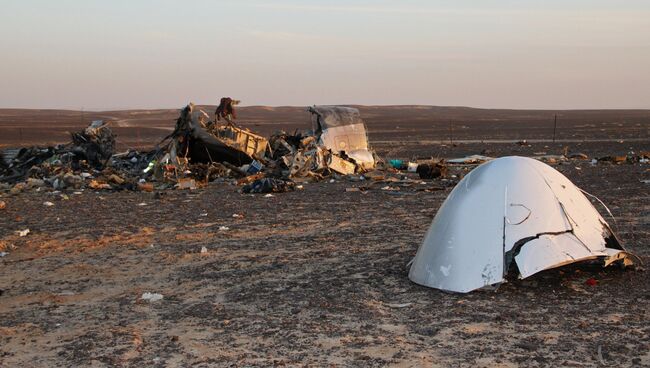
(554, 127)
(451, 133)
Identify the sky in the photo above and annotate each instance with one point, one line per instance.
(119, 54)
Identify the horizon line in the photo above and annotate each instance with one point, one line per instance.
(110, 109)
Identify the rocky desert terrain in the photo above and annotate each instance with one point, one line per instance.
(318, 276)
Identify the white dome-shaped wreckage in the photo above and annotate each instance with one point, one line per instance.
(511, 210)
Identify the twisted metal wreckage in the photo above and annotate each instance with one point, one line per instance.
(338, 144)
(200, 150)
(89, 150)
(526, 217)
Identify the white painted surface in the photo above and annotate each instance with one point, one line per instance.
(498, 204)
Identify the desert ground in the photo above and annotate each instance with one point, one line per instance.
(315, 277)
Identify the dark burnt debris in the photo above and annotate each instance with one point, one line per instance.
(209, 150)
(89, 150)
(201, 150)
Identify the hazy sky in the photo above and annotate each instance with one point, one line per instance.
(483, 53)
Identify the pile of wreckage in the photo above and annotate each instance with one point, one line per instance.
(73, 165)
(198, 151)
(202, 150)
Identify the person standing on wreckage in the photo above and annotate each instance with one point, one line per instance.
(226, 110)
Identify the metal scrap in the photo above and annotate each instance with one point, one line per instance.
(198, 151)
(269, 185)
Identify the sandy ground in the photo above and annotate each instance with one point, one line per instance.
(315, 277)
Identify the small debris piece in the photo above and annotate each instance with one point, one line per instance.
(388, 187)
(473, 159)
(579, 156)
(269, 185)
(145, 187)
(73, 181)
(151, 297)
(249, 179)
(432, 171)
(412, 167)
(591, 281)
(269, 195)
(17, 188)
(224, 228)
(613, 159)
(341, 166)
(35, 183)
(254, 167)
(116, 179)
(3, 205)
(94, 184)
(374, 175)
(352, 189)
(551, 159)
(48, 204)
(185, 183)
(397, 164)
(3, 254)
(398, 305)
(204, 250)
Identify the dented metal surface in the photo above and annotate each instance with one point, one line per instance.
(340, 165)
(206, 141)
(341, 129)
(512, 211)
